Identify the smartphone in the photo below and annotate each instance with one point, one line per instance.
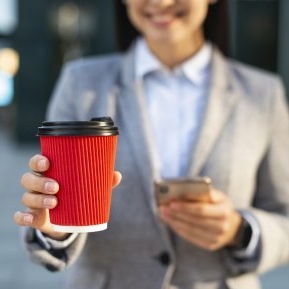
(193, 189)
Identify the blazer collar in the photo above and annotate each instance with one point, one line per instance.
(221, 101)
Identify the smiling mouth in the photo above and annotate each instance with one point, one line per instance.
(163, 19)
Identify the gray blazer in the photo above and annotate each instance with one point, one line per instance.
(243, 146)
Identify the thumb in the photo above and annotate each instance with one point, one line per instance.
(217, 196)
(116, 179)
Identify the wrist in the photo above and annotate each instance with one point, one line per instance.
(50, 243)
(236, 227)
(243, 234)
(248, 236)
(58, 236)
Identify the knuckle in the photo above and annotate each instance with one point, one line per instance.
(17, 218)
(32, 200)
(223, 228)
(201, 210)
(38, 163)
(24, 199)
(28, 201)
(33, 182)
(33, 161)
(227, 213)
(24, 179)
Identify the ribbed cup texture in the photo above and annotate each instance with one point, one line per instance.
(83, 166)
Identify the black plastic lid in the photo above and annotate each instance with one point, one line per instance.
(101, 126)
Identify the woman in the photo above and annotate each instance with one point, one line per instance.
(183, 110)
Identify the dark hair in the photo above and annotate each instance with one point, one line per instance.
(216, 26)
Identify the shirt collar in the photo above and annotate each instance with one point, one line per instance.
(195, 68)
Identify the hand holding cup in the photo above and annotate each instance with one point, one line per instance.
(80, 156)
(40, 196)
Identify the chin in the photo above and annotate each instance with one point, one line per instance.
(164, 38)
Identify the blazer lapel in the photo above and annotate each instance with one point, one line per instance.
(135, 122)
(131, 103)
(220, 104)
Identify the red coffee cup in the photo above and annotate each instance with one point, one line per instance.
(82, 157)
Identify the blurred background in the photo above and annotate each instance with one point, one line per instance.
(36, 38)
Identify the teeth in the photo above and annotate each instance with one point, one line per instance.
(162, 18)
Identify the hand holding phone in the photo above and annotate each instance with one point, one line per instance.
(192, 189)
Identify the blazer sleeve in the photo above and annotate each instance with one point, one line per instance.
(271, 202)
(62, 103)
(62, 107)
(270, 206)
(52, 259)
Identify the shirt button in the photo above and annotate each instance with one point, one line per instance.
(164, 258)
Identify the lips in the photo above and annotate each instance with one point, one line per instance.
(163, 19)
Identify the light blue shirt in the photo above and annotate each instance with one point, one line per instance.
(175, 101)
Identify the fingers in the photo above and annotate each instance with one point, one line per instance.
(23, 219)
(212, 225)
(39, 196)
(200, 210)
(207, 225)
(39, 163)
(37, 215)
(38, 201)
(207, 235)
(218, 196)
(38, 183)
(35, 219)
(201, 238)
(32, 181)
(38, 219)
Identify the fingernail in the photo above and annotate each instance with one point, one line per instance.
(41, 164)
(51, 187)
(27, 219)
(49, 202)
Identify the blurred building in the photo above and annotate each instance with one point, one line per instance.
(9, 59)
(48, 33)
(260, 35)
